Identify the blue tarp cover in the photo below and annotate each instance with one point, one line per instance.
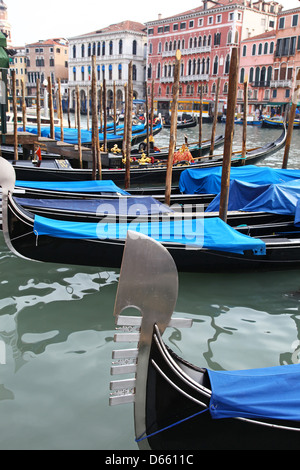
(273, 198)
(271, 392)
(208, 180)
(131, 206)
(89, 186)
(71, 134)
(208, 233)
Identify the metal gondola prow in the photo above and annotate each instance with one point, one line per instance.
(149, 283)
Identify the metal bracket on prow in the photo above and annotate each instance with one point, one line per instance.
(149, 283)
(125, 360)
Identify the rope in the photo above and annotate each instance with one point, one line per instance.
(142, 437)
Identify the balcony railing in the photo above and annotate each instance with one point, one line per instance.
(261, 83)
(192, 50)
(281, 83)
(187, 78)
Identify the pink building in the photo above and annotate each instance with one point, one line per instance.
(205, 36)
(256, 65)
(286, 57)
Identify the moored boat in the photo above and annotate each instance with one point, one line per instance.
(179, 405)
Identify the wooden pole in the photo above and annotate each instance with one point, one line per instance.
(14, 93)
(229, 130)
(129, 126)
(101, 108)
(60, 111)
(200, 119)
(173, 129)
(23, 106)
(115, 109)
(147, 119)
(291, 121)
(95, 131)
(88, 109)
(213, 133)
(51, 111)
(69, 99)
(104, 117)
(78, 125)
(38, 106)
(244, 142)
(152, 108)
(125, 120)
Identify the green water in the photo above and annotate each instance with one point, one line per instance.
(57, 327)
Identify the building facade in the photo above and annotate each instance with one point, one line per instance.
(256, 66)
(5, 26)
(286, 56)
(19, 65)
(205, 36)
(46, 59)
(114, 47)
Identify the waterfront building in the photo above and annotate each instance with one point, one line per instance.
(256, 66)
(5, 26)
(46, 59)
(114, 47)
(286, 57)
(18, 64)
(205, 36)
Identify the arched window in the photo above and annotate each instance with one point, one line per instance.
(216, 65)
(254, 49)
(198, 67)
(134, 72)
(266, 47)
(229, 37)
(194, 67)
(244, 50)
(89, 49)
(158, 70)
(150, 71)
(74, 51)
(190, 67)
(269, 73)
(111, 48)
(242, 75)
(263, 75)
(120, 46)
(103, 48)
(204, 41)
(166, 46)
(209, 40)
(227, 64)
(207, 65)
(199, 41)
(98, 49)
(271, 47)
(225, 89)
(260, 49)
(191, 43)
(195, 42)
(134, 47)
(251, 75)
(257, 75)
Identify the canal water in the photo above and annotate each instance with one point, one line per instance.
(57, 329)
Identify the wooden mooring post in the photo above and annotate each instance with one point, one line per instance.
(173, 129)
(78, 125)
(229, 130)
(38, 106)
(213, 132)
(245, 113)
(129, 126)
(291, 118)
(51, 110)
(200, 119)
(15, 112)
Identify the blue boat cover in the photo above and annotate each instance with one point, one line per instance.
(271, 392)
(198, 233)
(208, 180)
(273, 198)
(71, 134)
(131, 206)
(89, 186)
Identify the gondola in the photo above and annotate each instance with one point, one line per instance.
(277, 122)
(61, 169)
(196, 244)
(185, 121)
(179, 406)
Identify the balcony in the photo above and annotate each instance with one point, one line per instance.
(192, 50)
(261, 83)
(187, 78)
(281, 84)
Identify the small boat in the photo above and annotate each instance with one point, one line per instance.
(277, 121)
(149, 173)
(196, 244)
(71, 135)
(183, 122)
(178, 405)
